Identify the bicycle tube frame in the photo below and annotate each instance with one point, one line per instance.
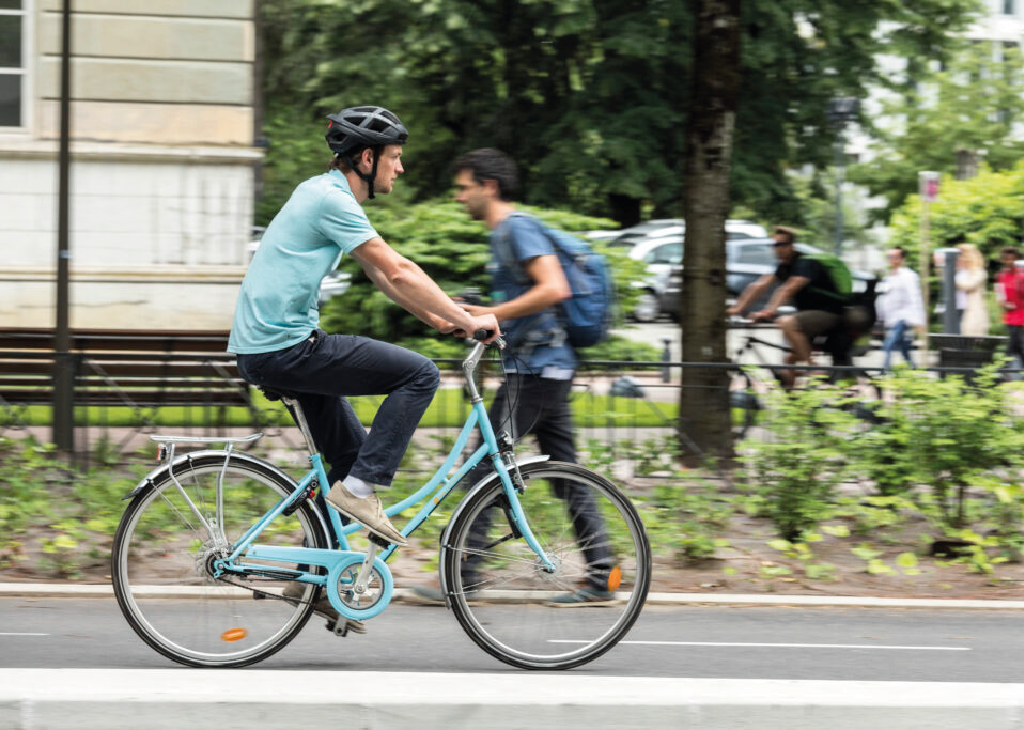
(439, 486)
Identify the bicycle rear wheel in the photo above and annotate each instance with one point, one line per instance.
(521, 614)
(162, 563)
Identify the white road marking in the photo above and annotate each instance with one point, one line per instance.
(776, 646)
(19, 633)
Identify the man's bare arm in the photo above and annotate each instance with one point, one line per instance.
(751, 293)
(407, 285)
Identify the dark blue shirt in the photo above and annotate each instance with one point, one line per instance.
(537, 340)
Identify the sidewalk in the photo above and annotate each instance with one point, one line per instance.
(240, 698)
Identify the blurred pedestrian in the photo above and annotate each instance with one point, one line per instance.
(1010, 295)
(900, 307)
(528, 284)
(970, 283)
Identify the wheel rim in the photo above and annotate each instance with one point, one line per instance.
(165, 558)
(505, 603)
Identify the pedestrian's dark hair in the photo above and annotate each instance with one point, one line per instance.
(903, 251)
(490, 164)
(1010, 249)
(789, 233)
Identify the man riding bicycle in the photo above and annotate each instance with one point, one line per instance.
(808, 284)
(275, 334)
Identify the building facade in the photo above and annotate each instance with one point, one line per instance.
(162, 108)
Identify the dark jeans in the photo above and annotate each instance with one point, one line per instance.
(326, 368)
(896, 337)
(1015, 345)
(541, 406)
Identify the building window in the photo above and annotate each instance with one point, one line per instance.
(13, 38)
(1009, 7)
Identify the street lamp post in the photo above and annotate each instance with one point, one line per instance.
(840, 111)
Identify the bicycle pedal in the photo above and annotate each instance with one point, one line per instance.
(338, 626)
(381, 542)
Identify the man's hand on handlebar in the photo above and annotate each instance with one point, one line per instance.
(486, 322)
(765, 315)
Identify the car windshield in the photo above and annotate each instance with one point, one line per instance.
(756, 253)
(667, 253)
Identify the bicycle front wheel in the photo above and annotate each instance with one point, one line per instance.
(508, 601)
(163, 555)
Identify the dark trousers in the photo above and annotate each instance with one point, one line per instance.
(323, 370)
(1015, 345)
(529, 404)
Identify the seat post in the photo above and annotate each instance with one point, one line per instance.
(300, 419)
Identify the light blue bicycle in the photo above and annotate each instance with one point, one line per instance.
(254, 550)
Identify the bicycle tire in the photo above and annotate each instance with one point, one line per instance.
(486, 603)
(153, 559)
(744, 406)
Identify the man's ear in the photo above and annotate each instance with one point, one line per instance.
(366, 157)
(492, 187)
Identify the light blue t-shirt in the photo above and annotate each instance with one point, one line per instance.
(277, 305)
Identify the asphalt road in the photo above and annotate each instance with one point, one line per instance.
(842, 644)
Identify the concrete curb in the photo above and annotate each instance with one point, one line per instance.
(172, 698)
(59, 590)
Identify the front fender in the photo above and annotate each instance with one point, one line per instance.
(487, 481)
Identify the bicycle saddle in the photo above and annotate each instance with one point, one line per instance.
(273, 394)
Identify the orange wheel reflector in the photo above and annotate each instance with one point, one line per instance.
(234, 634)
(614, 578)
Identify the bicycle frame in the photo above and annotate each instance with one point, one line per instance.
(433, 492)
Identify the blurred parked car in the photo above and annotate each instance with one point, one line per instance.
(734, 229)
(335, 283)
(747, 260)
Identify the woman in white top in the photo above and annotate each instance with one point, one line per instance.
(899, 307)
(970, 280)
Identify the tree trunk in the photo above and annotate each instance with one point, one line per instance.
(704, 414)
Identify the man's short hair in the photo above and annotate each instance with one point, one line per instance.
(1010, 250)
(789, 233)
(490, 164)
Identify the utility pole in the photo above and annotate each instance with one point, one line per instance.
(928, 188)
(839, 112)
(64, 367)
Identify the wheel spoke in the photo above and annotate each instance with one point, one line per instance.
(163, 562)
(507, 600)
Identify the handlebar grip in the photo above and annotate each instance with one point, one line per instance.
(482, 334)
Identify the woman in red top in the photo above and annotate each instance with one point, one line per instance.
(1010, 293)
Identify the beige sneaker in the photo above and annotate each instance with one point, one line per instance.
(294, 592)
(367, 511)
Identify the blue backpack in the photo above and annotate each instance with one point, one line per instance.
(587, 314)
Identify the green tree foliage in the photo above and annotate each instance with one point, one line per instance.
(589, 96)
(965, 112)
(985, 210)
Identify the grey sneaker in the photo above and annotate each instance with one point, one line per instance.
(293, 592)
(587, 596)
(367, 511)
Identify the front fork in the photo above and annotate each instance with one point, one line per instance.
(509, 469)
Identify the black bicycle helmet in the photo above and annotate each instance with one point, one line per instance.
(354, 128)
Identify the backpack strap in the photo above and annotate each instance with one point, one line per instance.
(528, 338)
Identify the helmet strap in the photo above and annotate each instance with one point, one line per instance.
(368, 178)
